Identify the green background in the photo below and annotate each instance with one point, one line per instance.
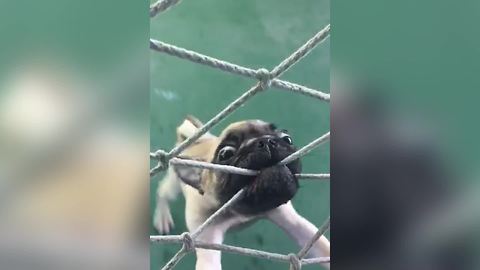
(254, 34)
(424, 58)
(91, 36)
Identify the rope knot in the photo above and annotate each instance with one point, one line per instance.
(265, 78)
(188, 242)
(295, 263)
(162, 158)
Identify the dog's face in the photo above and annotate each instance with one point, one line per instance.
(256, 145)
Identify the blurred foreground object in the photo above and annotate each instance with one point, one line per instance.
(73, 134)
(73, 176)
(394, 200)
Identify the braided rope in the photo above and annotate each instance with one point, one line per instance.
(161, 5)
(199, 58)
(295, 263)
(265, 79)
(176, 239)
(315, 237)
(236, 170)
(295, 259)
(313, 176)
(301, 52)
(306, 149)
(218, 213)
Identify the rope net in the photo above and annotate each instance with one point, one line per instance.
(265, 79)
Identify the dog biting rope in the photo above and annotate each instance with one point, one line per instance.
(265, 79)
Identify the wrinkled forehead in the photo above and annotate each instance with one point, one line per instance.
(240, 131)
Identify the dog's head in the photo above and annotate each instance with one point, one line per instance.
(256, 145)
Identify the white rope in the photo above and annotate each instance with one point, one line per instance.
(189, 239)
(216, 119)
(199, 58)
(211, 166)
(300, 89)
(265, 80)
(161, 5)
(189, 243)
(242, 171)
(231, 169)
(218, 213)
(236, 170)
(306, 149)
(177, 239)
(175, 259)
(232, 68)
(296, 258)
(186, 161)
(313, 176)
(301, 52)
(317, 235)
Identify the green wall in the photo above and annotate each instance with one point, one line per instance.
(254, 34)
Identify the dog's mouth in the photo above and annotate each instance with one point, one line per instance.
(273, 186)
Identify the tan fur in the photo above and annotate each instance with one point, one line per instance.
(203, 149)
(234, 127)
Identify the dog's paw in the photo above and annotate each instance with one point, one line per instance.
(162, 218)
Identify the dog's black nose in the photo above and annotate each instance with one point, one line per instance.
(272, 142)
(266, 142)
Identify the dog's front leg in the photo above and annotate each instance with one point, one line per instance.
(299, 229)
(210, 259)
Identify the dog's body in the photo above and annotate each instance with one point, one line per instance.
(250, 144)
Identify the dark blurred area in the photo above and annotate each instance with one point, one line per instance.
(404, 146)
(74, 134)
(391, 180)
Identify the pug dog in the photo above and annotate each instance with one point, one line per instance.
(251, 144)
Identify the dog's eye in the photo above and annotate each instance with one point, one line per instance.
(287, 138)
(226, 153)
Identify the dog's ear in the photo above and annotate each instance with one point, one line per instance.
(190, 175)
(197, 123)
(189, 126)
